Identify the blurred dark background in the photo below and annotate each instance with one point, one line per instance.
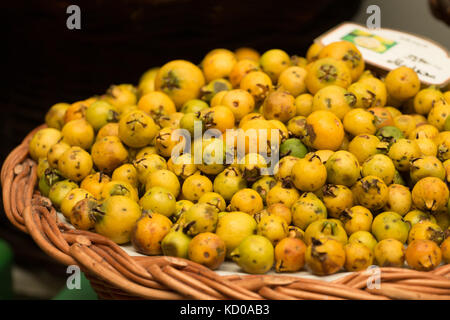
(47, 63)
(119, 40)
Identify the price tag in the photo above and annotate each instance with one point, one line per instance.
(388, 49)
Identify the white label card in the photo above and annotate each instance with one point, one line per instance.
(388, 49)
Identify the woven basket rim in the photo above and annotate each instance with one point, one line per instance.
(116, 275)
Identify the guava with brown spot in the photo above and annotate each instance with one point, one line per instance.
(218, 63)
(246, 200)
(423, 255)
(357, 257)
(281, 194)
(147, 165)
(77, 110)
(377, 87)
(443, 145)
(214, 199)
(127, 173)
(309, 173)
(255, 254)
(176, 243)
(214, 87)
(325, 72)
(335, 99)
(364, 95)
(273, 62)
(365, 145)
(240, 102)
(283, 169)
(389, 253)
(75, 164)
(379, 165)
(430, 194)
(201, 217)
(42, 166)
(357, 218)
(297, 126)
(416, 216)
(279, 105)
(347, 52)
(242, 68)
(390, 134)
(371, 192)
(82, 215)
(148, 233)
(183, 166)
(59, 190)
(79, 133)
(160, 200)
(166, 140)
(252, 166)
(71, 199)
(258, 84)
(121, 95)
(326, 228)
(273, 228)
(325, 256)
(228, 182)
(47, 177)
(42, 141)
(426, 166)
(54, 118)
(307, 209)
(207, 249)
(101, 113)
(109, 153)
(390, 225)
(234, 227)
(290, 255)
(439, 114)
(426, 230)
(282, 211)
(342, 168)
(164, 178)
(337, 198)
(363, 237)
(118, 188)
(402, 83)
(324, 130)
(292, 80)
(180, 80)
(263, 186)
(137, 129)
(426, 98)
(218, 117)
(399, 199)
(55, 152)
(181, 206)
(359, 121)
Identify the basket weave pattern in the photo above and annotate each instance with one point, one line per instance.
(116, 275)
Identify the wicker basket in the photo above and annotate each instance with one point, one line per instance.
(116, 275)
